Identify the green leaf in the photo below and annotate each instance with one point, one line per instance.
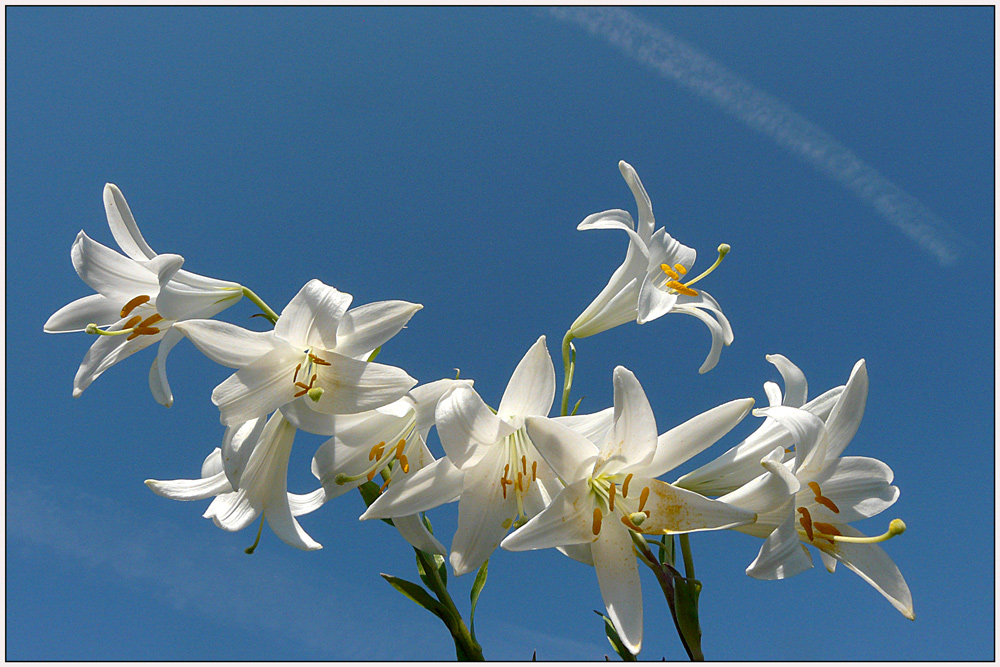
(417, 593)
(616, 641)
(477, 588)
(686, 592)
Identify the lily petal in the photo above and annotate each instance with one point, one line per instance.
(355, 386)
(466, 426)
(437, 484)
(769, 491)
(257, 389)
(618, 576)
(123, 226)
(76, 315)
(110, 273)
(367, 327)
(645, 207)
(873, 565)
(859, 486)
(227, 344)
(695, 435)
(782, 555)
(796, 387)
(632, 440)
(570, 455)
(847, 413)
(158, 371)
(105, 353)
(312, 317)
(808, 433)
(426, 397)
(567, 520)
(532, 386)
(718, 335)
(413, 530)
(675, 510)
(593, 426)
(482, 510)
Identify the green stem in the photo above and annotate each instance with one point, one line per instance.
(688, 558)
(257, 301)
(466, 647)
(569, 365)
(665, 577)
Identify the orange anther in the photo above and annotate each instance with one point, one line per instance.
(534, 470)
(520, 478)
(815, 488)
(312, 381)
(669, 271)
(598, 517)
(133, 304)
(296, 376)
(679, 287)
(317, 360)
(806, 522)
(132, 322)
(399, 448)
(152, 319)
(371, 475)
(524, 464)
(303, 385)
(403, 463)
(628, 522)
(301, 393)
(628, 478)
(376, 451)
(643, 497)
(680, 269)
(826, 529)
(384, 484)
(143, 331)
(829, 504)
(611, 497)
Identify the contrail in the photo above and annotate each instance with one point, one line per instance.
(677, 61)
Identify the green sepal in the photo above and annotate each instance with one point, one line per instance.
(370, 493)
(616, 641)
(577, 406)
(417, 593)
(371, 357)
(686, 592)
(477, 588)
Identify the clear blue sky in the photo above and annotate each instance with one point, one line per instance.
(445, 157)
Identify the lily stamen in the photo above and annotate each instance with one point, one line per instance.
(611, 497)
(132, 322)
(628, 478)
(598, 517)
(133, 304)
(806, 521)
(317, 360)
(723, 251)
(534, 470)
(643, 497)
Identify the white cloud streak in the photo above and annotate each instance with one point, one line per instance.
(676, 61)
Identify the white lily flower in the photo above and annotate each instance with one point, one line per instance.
(812, 499)
(611, 490)
(311, 352)
(389, 440)
(741, 463)
(260, 468)
(649, 284)
(491, 467)
(140, 295)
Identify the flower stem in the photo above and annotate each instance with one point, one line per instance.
(665, 577)
(466, 648)
(569, 365)
(688, 558)
(257, 301)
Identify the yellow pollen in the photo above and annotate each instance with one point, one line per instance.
(132, 322)
(806, 522)
(681, 288)
(669, 271)
(133, 304)
(643, 497)
(611, 497)
(534, 470)
(399, 448)
(680, 269)
(597, 520)
(376, 451)
(628, 478)
(404, 463)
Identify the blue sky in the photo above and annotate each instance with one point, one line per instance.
(445, 156)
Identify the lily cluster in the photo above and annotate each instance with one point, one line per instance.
(589, 485)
